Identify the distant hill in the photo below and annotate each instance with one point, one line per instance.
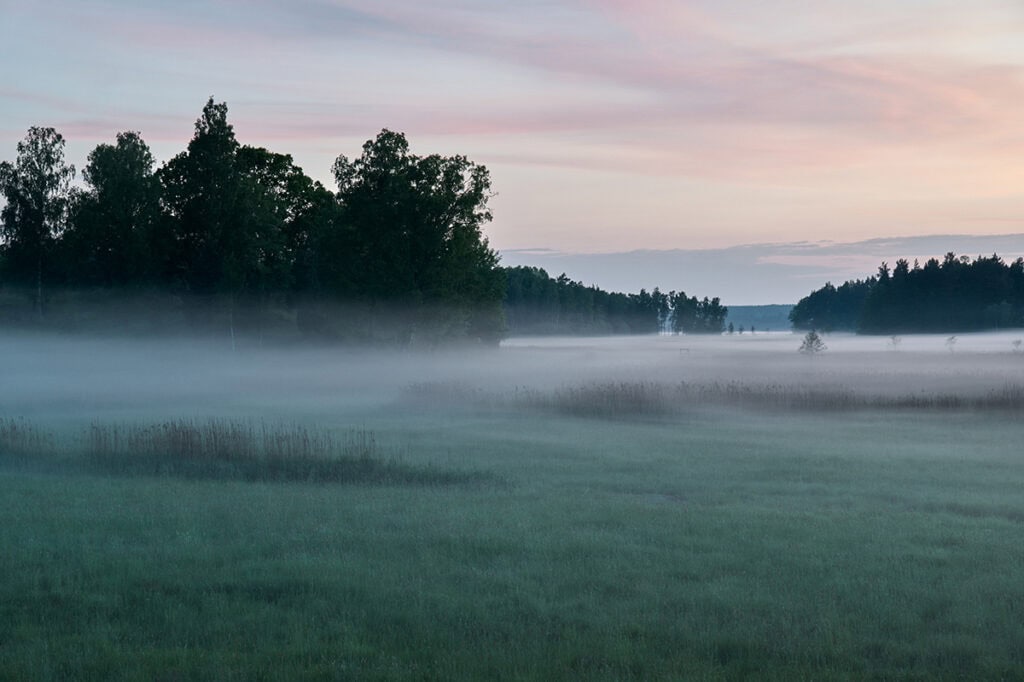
(762, 317)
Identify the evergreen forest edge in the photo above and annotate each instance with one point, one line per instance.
(957, 294)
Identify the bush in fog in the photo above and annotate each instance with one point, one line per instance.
(812, 344)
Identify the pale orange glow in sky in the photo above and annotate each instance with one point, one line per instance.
(607, 125)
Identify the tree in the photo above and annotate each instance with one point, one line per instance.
(415, 233)
(711, 315)
(832, 308)
(812, 344)
(693, 316)
(287, 210)
(536, 303)
(114, 219)
(212, 235)
(228, 212)
(37, 189)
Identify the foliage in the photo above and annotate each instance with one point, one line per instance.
(414, 232)
(37, 191)
(957, 294)
(832, 308)
(536, 303)
(110, 237)
(240, 231)
(222, 232)
(812, 344)
(241, 237)
(692, 316)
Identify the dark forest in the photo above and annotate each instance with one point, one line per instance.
(229, 236)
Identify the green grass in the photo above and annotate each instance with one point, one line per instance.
(703, 545)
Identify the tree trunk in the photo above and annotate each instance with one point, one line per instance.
(39, 287)
(231, 318)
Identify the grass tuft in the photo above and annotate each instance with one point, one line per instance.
(221, 449)
(624, 400)
(21, 440)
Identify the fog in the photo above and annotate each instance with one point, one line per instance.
(47, 376)
(392, 514)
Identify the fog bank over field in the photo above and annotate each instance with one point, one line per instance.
(50, 376)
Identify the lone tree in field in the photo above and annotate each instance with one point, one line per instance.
(812, 344)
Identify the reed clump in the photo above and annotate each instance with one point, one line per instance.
(222, 449)
(639, 399)
(20, 439)
(241, 450)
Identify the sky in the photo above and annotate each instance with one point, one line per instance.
(609, 127)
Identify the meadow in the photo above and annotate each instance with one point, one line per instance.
(607, 508)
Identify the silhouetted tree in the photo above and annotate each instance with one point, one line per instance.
(226, 223)
(37, 189)
(415, 232)
(957, 294)
(109, 240)
(539, 304)
(287, 209)
(693, 316)
(832, 308)
(206, 241)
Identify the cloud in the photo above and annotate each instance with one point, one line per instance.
(706, 121)
(658, 66)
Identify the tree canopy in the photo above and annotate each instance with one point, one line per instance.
(956, 294)
(37, 191)
(536, 303)
(235, 234)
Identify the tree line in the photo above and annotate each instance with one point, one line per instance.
(956, 294)
(536, 303)
(242, 232)
(227, 234)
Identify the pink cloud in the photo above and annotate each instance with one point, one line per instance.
(672, 89)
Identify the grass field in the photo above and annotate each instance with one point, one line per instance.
(526, 526)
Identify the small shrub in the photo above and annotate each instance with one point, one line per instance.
(812, 344)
